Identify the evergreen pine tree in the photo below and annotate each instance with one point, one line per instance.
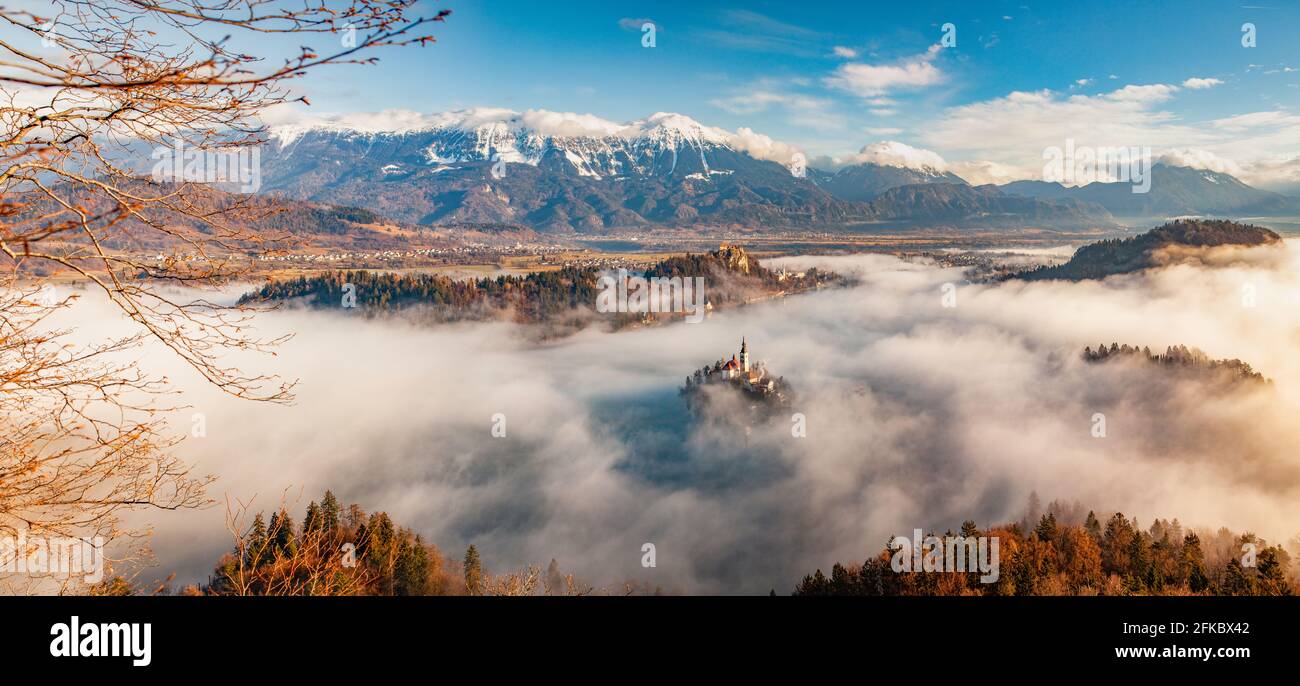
(282, 533)
(311, 522)
(841, 582)
(1235, 581)
(1192, 564)
(1139, 564)
(411, 568)
(381, 548)
(329, 507)
(1116, 545)
(1271, 579)
(255, 545)
(1046, 529)
(1092, 526)
(473, 571)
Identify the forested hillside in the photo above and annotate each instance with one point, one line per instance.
(1126, 255)
(564, 296)
(1057, 554)
(1177, 357)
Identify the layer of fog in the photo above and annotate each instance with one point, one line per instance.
(918, 415)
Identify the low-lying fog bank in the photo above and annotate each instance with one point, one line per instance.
(918, 415)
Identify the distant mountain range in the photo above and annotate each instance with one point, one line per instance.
(1127, 255)
(1174, 191)
(863, 182)
(666, 170)
(498, 166)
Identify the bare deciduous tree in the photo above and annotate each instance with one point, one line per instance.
(84, 88)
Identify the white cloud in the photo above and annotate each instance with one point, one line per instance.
(761, 146)
(1199, 159)
(848, 53)
(802, 110)
(1277, 173)
(870, 80)
(285, 119)
(749, 30)
(1152, 93)
(884, 131)
(633, 24)
(569, 124)
(895, 154)
(1198, 84)
(749, 103)
(979, 172)
(1257, 120)
(1013, 130)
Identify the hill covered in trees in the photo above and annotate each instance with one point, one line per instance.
(335, 551)
(1126, 255)
(1180, 358)
(564, 298)
(1064, 553)
(532, 298)
(338, 550)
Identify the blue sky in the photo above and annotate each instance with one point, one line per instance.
(774, 67)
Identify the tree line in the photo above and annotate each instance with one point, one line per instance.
(536, 297)
(1177, 356)
(1056, 554)
(338, 550)
(531, 298)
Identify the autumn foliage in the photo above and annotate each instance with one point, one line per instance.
(1092, 556)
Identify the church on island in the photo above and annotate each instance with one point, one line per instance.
(752, 379)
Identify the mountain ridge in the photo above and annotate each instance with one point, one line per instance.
(1174, 191)
(579, 174)
(596, 177)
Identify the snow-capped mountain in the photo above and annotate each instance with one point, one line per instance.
(868, 180)
(589, 146)
(571, 172)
